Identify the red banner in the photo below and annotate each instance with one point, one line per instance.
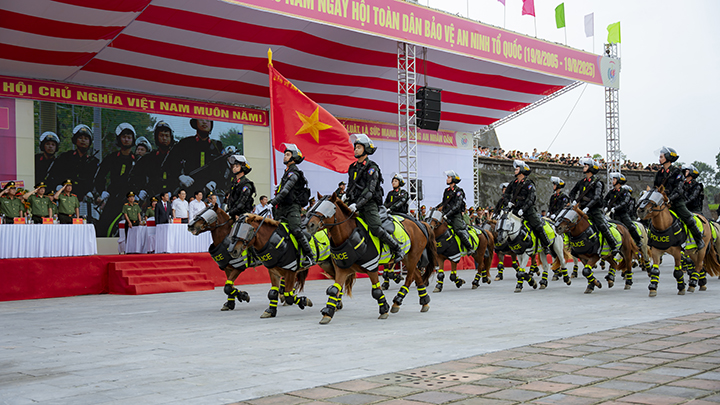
(388, 132)
(123, 100)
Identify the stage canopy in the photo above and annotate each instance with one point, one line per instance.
(343, 54)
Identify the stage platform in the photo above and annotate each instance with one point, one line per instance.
(55, 277)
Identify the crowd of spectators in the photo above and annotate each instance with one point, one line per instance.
(547, 157)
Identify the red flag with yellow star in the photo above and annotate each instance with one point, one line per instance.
(295, 118)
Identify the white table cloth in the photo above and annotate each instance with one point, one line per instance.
(37, 240)
(136, 240)
(175, 238)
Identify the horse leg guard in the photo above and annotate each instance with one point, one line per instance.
(476, 280)
(281, 290)
(521, 276)
(694, 276)
(500, 269)
(556, 275)
(453, 276)
(565, 275)
(334, 293)
(457, 280)
(654, 279)
(590, 276)
(397, 276)
(702, 281)
(422, 293)
(575, 271)
(531, 280)
(440, 280)
(398, 300)
(386, 280)
(273, 295)
(544, 279)
(379, 296)
(680, 277)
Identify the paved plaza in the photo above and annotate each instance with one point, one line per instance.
(484, 346)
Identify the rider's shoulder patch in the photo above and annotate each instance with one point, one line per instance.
(459, 193)
(246, 188)
(371, 171)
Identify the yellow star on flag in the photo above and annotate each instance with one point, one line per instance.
(311, 125)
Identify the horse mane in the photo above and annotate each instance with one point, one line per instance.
(252, 218)
(577, 209)
(337, 201)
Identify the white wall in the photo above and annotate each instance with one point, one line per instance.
(432, 163)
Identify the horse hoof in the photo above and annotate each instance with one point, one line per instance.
(395, 308)
(517, 290)
(425, 308)
(459, 283)
(681, 292)
(339, 305)
(325, 320)
(597, 283)
(498, 278)
(691, 289)
(611, 283)
(437, 290)
(588, 290)
(266, 314)
(627, 286)
(225, 307)
(286, 304)
(653, 293)
(486, 280)
(475, 286)
(308, 303)
(703, 288)
(282, 298)
(555, 277)
(543, 286)
(384, 316)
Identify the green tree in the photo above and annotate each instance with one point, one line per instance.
(234, 137)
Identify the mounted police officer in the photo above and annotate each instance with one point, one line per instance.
(694, 190)
(500, 205)
(618, 202)
(397, 200)
(589, 194)
(558, 200)
(291, 197)
(239, 198)
(520, 195)
(453, 205)
(76, 165)
(672, 178)
(49, 142)
(365, 191)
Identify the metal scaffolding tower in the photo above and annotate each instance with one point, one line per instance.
(613, 154)
(407, 131)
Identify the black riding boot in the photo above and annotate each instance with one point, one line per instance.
(305, 247)
(387, 239)
(464, 236)
(605, 230)
(697, 234)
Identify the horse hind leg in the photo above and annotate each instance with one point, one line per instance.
(680, 278)
(610, 277)
(379, 296)
(592, 281)
(334, 293)
(301, 301)
(694, 275)
(273, 296)
(654, 279)
(440, 280)
(702, 281)
(454, 277)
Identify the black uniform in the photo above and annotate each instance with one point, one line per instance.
(42, 166)
(120, 169)
(240, 197)
(365, 191)
(397, 201)
(153, 172)
(453, 205)
(501, 204)
(289, 200)
(522, 195)
(80, 169)
(193, 153)
(620, 201)
(589, 194)
(694, 195)
(339, 192)
(558, 201)
(674, 182)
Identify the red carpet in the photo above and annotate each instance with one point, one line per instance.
(22, 279)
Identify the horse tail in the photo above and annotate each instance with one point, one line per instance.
(712, 260)
(431, 249)
(628, 250)
(349, 282)
(300, 278)
(490, 247)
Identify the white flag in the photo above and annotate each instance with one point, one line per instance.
(590, 25)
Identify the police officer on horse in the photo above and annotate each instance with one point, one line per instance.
(694, 190)
(453, 205)
(558, 200)
(618, 202)
(397, 200)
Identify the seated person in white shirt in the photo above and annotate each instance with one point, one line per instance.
(180, 207)
(196, 205)
(263, 206)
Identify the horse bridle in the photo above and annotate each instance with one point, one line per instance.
(207, 226)
(313, 213)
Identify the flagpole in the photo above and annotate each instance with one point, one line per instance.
(535, 23)
(504, 15)
(272, 148)
(565, 34)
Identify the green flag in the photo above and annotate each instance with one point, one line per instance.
(560, 15)
(614, 33)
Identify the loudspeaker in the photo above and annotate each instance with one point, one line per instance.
(427, 103)
(416, 188)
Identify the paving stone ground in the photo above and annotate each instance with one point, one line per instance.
(483, 346)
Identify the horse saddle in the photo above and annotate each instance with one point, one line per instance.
(277, 251)
(386, 220)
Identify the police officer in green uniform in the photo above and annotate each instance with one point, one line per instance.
(68, 204)
(672, 178)
(397, 200)
(589, 192)
(453, 205)
(150, 212)
(288, 200)
(131, 212)
(10, 206)
(618, 204)
(40, 204)
(365, 191)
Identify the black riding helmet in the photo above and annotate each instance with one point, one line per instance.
(365, 141)
(297, 155)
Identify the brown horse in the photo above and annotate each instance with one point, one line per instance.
(332, 214)
(282, 262)
(215, 220)
(483, 254)
(501, 250)
(653, 205)
(585, 246)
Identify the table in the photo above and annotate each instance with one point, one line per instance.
(136, 240)
(175, 238)
(37, 240)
